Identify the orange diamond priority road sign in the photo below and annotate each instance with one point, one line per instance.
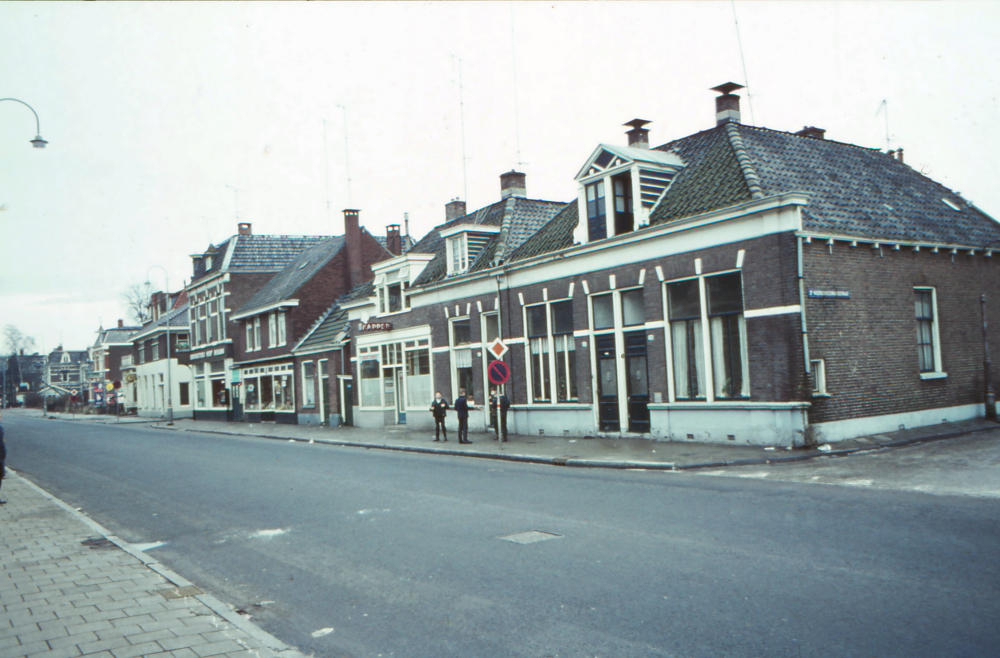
(497, 348)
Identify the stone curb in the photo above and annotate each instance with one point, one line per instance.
(215, 605)
(597, 463)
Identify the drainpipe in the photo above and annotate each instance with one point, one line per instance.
(802, 307)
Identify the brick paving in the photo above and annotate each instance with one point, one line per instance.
(68, 588)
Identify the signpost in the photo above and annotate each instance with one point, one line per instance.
(498, 373)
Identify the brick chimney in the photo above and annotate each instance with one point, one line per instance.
(121, 324)
(244, 228)
(638, 137)
(727, 104)
(513, 184)
(812, 131)
(393, 240)
(454, 209)
(352, 242)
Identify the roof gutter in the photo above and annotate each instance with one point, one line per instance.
(263, 309)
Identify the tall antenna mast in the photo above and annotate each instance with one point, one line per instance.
(513, 59)
(884, 105)
(461, 109)
(347, 157)
(236, 201)
(326, 165)
(739, 41)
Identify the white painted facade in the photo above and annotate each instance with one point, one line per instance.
(151, 389)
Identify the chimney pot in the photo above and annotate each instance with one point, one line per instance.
(727, 104)
(813, 132)
(638, 137)
(244, 228)
(352, 242)
(513, 184)
(899, 154)
(121, 324)
(454, 209)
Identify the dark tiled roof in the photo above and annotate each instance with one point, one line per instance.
(518, 219)
(854, 191)
(359, 291)
(116, 335)
(555, 235)
(298, 271)
(271, 253)
(323, 333)
(178, 319)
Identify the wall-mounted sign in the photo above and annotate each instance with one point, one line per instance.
(369, 327)
(817, 293)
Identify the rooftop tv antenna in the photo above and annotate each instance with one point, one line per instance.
(513, 59)
(347, 157)
(236, 200)
(739, 41)
(884, 105)
(326, 166)
(461, 114)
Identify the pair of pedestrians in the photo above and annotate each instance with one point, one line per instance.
(439, 407)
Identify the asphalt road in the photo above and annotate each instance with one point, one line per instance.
(400, 554)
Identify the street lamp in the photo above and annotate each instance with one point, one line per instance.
(37, 142)
(170, 383)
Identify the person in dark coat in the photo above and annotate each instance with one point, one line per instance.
(3, 458)
(504, 406)
(462, 409)
(439, 407)
(493, 413)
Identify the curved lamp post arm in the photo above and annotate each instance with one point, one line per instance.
(37, 142)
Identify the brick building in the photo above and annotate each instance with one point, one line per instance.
(160, 378)
(111, 350)
(275, 386)
(738, 284)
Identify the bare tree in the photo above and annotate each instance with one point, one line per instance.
(15, 341)
(136, 301)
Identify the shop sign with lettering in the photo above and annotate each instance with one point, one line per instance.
(369, 327)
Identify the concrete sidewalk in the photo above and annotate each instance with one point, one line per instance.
(581, 452)
(69, 588)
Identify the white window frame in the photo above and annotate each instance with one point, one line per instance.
(256, 333)
(282, 328)
(938, 372)
(307, 390)
(454, 347)
(272, 329)
(249, 327)
(550, 337)
(818, 367)
(457, 263)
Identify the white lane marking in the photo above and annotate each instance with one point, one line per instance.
(149, 546)
(321, 632)
(268, 534)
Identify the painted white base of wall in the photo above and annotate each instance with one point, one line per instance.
(842, 430)
(308, 419)
(179, 412)
(759, 425)
(552, 420)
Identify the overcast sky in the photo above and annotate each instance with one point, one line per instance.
(153, 109)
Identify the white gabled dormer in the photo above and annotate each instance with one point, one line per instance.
(393, 278)
(463, 243)
(608, 202)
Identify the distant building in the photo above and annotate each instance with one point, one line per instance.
(111, 347)
(155, 379)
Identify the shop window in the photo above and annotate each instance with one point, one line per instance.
(251, 393)
(370, 381)
(418, 377)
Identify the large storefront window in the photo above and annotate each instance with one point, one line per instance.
(418, 375)
(269, 388)
(371, 395)
(396, 375)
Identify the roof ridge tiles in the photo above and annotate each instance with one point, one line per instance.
(752, 179)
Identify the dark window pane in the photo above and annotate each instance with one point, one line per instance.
(562, 317)
(684, 299)
(633, 308)
(725, 293)
(604, 313)
(462, 331)
(395, 293)
(603, 159)
(492, 328)
(536, 321)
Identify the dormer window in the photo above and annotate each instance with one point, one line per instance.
(208, 263)
(635, 177)
(459, 254)
(463, 244)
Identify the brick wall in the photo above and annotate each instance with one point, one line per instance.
(869, 341)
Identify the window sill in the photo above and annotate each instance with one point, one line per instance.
(309, 406)
(933, 375)
(821, 395)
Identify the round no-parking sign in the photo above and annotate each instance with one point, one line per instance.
(499, 372)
